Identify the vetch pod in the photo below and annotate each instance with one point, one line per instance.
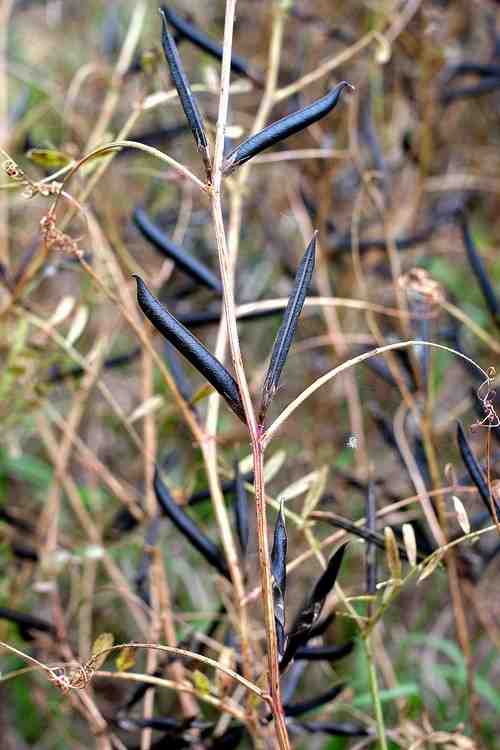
(296, 709)
(188, 101)
(324, 653)
(479, 270)
(183, 260)
(278, 571)
(197, 37)
(476, 473)
(288, 327)
(190, 347)
(309, 614)
(281, 129)
(241, 509)
(189, 528)
(333, 729)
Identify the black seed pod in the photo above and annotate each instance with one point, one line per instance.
(278, 570)
(188, 101)
(334, 729)
(185, 262)
(200, 39)
(241, 509)
(189, 528)
(476, 473)
(307, 617)
(27, 623)
(288, 327)
(324, 653)
(479, 270)
(295, 709)
(282, 129)
(190, 347)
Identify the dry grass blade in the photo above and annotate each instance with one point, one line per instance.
(189, 528)
(190, 347)
(282, 129)
(188, 101)
(286, 333)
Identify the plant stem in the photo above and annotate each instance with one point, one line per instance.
(374, 689)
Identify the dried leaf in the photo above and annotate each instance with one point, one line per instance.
(103, 642)
(392, 553)
(147, 407)
(125, 659)
(62, 311)
(78, 325)
(410, 543)
(315, 492)
(431, 566)
(48, 158)
(462, 517)
(201, 682)
(273, 465)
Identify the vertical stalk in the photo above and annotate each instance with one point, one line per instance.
(227, 277)
(374, 690)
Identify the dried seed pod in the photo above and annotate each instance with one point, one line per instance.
(302, 627)
(324, 653)
(177, 371)
(241, 509)
(479, 270)
(486, 86)
(27, 623)
(288, 327)
(227, 487)
(203, 319)
(282, 129)
(189, 265)
(188, 101)
(200, 39)
(476, 473)
(278, 572)
(295, 709)
(189, 528)
(333, 728)
(190, 347)
(371, 549)
(56, 375)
